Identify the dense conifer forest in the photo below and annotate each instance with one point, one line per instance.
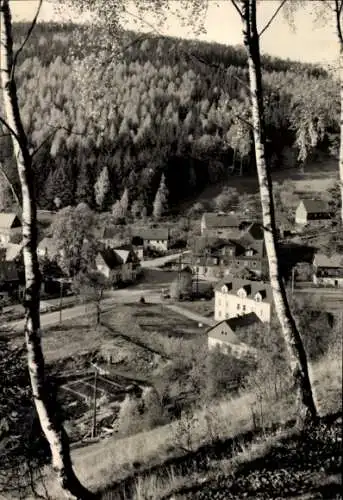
(168, 109)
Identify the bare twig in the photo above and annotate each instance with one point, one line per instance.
(35, 151)
(272, 18)
(28, 34)
(15, 196)
(4, 122)
(234, 3)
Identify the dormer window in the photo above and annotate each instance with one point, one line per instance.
(249, 252)
(242, 293)
(224, 289)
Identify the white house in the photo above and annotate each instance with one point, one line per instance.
(238, 297)
(312, 211)
(10, 225)
(153, 238)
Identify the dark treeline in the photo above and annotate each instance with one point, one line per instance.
(168, 106)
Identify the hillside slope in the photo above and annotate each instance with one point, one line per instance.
(168, 106)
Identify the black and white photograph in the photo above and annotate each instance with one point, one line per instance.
(171, 249)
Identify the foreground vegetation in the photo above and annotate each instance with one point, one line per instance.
(230, 421)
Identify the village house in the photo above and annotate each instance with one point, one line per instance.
(312, 211)
(118, 265)
(228, 336)
(152, 239)
(215, 258)
(220, 225)
(10, 227)
(238, 297)
(328, 270)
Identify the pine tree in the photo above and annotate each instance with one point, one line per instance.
(117, 211)
(84, 190)
(101, 188)
(161, 199)
(124, 202)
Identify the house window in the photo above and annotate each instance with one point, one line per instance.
(253, 263)
(219, 313)
(238, 307)
(244, 308)
(219, 302)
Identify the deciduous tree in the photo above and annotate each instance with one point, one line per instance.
(161, 199)
(298, 361)
(52, 428)
(101, 188)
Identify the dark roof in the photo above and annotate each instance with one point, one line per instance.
(8, 221)
(255, 230)
(213, 220)
(151, 234)
(235, 327)
(315, 206)
(243, 321)
(251, 287)
(111, 258)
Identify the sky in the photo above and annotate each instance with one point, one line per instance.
(312, 41)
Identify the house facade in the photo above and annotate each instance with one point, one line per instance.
(10, 226)
(220, 225)
(311, 211)
(239, 297)
(153, 239)
(227, 336)
(222, 257)
(118, 265)
(328, 271)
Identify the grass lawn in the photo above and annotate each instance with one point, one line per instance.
(203, 307)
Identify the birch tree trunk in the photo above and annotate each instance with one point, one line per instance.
(338, 14)
(298, 362)
(53, 430)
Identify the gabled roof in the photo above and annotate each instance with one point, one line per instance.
(315, 206)
(215, 220)
(111, 259)
(7, 221)
(255, 231)
(151, 234)
(234, 328)
(322, 260)
(251, 287)
(122, 254)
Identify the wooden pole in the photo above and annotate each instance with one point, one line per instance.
(61, 299)
(94, 403)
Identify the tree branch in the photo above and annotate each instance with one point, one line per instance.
(15, 196)
(234, 3)
(35, 151)
(12, 132)
(338, 11)
(28, 34)
(272, 18)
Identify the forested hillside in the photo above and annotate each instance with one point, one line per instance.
(172, 107)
